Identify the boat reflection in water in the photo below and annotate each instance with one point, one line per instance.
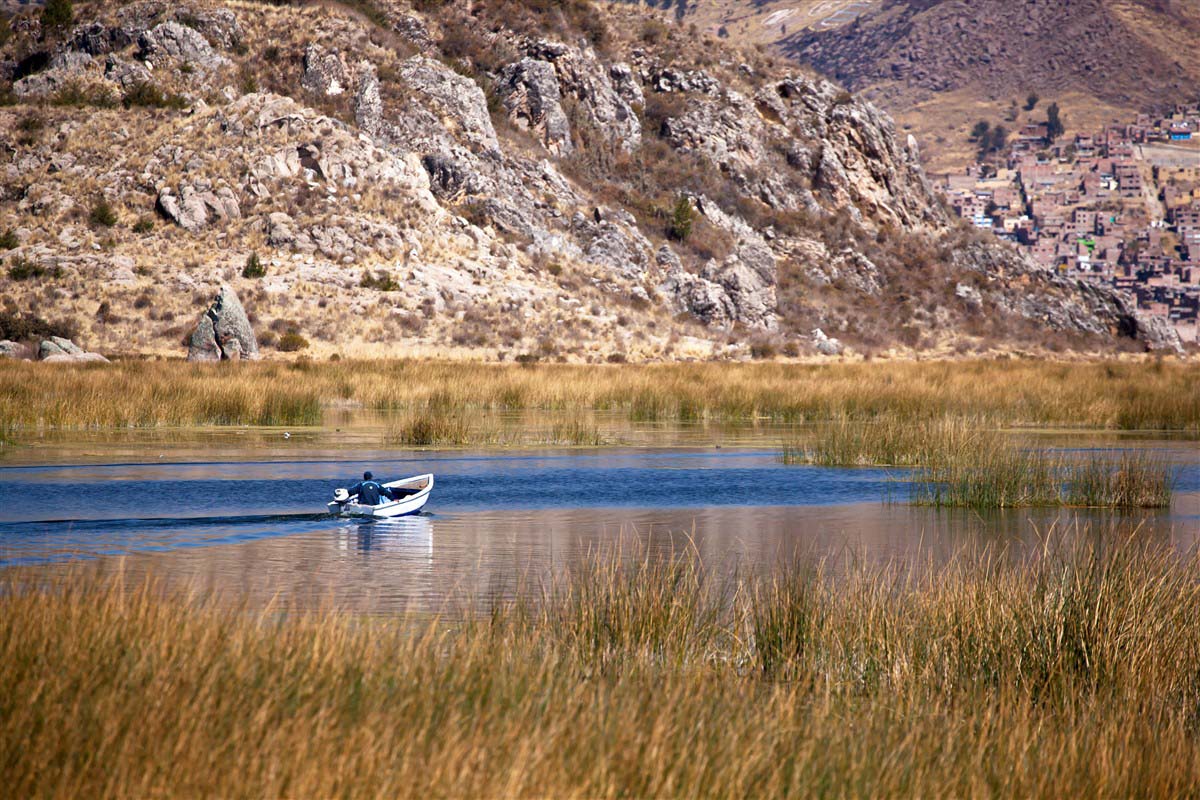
(410, 536)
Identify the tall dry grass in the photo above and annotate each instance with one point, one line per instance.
(970, 463)
(1150, 395)
(1073, 674)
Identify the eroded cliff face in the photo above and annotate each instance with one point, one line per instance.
(462, 179)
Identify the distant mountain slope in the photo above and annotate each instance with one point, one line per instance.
(1128, 53)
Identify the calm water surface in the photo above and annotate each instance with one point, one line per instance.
(247, 519)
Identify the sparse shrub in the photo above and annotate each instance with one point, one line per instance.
(843, 98)
(271, 54)
(682, 216)
(254, 268)
(28, 129)
(24, 327)
(616, 358)
(102, 214)
(143, 225)
(147, 95)
(292, 342)
(143, 301)
(247, 83)
(79, 95)
(654, 31)
(21, 269)
(381, 280)
(8, 239)
(1031, 101)
(57, 14)
(763, 349)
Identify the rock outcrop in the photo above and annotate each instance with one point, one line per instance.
(223, 332)
(57, 350)
(534, 101)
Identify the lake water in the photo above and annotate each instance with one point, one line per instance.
(242, 512)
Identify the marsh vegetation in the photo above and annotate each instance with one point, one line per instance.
(1066, 672)
(964, 462)
(1124, 396)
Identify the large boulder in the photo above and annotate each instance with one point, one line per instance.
(223, 332)
(57, 350)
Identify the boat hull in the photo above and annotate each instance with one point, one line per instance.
(392, 508)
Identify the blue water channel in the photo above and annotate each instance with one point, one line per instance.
(103, 509)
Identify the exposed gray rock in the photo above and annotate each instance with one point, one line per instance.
(98, 39)
(618, 246)
(969, 295)
(606, 110)
(280, 229)
(691, 81)
(172, 41)
(11, 349)
(59, 350)
(825, 345)
(452, 97)
(368, 105)
(627, 86)
(531, 95)
(324, 72)
(125, 74)
(192, 209)
(219, 26)
(66, 67)
(223, 331)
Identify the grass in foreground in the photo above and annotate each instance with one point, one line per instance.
(1072, 675)
(1106, 395)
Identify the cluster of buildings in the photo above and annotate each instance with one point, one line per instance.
(1119, 207)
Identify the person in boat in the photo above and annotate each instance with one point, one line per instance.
(370, 491)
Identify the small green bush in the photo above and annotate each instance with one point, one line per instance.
(682, 216)
(254, 267)
(21, 269)
(57, 14)
(143, 225)
(292, 342)
(8, 240)
(147, 95)
(102, 214)
(23, 327)
(78, 95)
(381, 280)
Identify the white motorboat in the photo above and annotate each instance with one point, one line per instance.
(415, 494)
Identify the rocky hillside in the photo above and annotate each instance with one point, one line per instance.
(508, 179)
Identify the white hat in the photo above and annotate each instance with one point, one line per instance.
(340, 495)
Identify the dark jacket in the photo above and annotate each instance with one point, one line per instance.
(369, 492)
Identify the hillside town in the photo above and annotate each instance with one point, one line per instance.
(1120, 206)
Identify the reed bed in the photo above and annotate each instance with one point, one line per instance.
(451, 428)
(969, 463)
(891, 441)
(1009, 477)
(1069, 674)
(1147, 395)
